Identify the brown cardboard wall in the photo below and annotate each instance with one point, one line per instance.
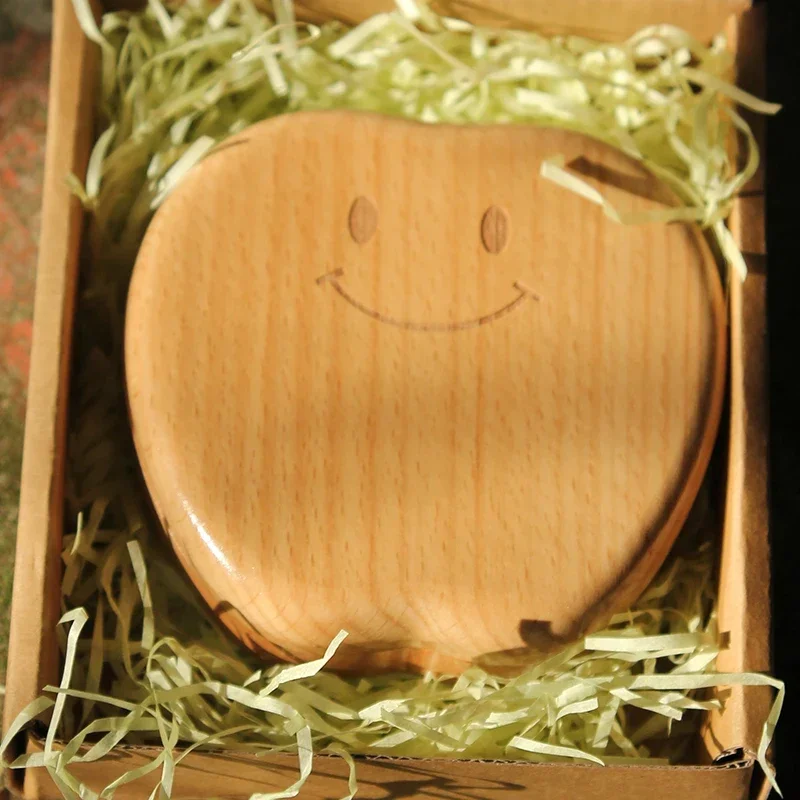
(33, 651)
(231, 777)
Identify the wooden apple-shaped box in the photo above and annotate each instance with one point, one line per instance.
(384, 377)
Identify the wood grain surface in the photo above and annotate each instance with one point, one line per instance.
(384, 377)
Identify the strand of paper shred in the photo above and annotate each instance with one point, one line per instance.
(153, 666)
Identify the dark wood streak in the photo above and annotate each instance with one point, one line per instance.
(332, 278)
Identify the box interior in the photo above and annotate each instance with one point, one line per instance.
(744, 585)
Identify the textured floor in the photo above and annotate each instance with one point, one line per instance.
(24, 61)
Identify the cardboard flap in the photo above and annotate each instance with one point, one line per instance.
(33, 648)
(744, 606)
(604, 19)
(237, 776)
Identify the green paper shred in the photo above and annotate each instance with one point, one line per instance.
(144, 660)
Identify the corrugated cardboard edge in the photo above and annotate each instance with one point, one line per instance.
(226, 776)
(745, 588)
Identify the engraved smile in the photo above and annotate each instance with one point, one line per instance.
(523, 294)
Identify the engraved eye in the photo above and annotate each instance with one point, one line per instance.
(362, 220)
(494, 229)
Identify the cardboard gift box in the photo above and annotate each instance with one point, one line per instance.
(723, 763)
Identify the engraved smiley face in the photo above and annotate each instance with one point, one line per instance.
(383, 377)
(362, 223)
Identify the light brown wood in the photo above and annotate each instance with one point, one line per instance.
(434, 447)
